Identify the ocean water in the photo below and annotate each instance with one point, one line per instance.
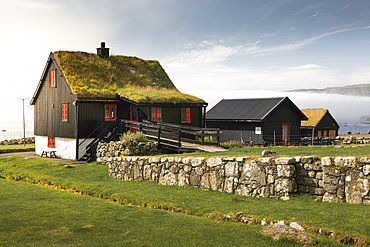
(14, 131)
(352, 126)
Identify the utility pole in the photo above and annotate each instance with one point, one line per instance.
(24, 123)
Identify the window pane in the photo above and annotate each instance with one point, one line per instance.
(113, 112)
(106, 112)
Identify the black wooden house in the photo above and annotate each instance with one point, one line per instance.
(80, 97)
(260, 121)
(320, 123)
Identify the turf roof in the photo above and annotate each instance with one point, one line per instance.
(314, 116)
(143, 81)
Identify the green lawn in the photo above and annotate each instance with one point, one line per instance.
(36, 216)
(16, 146)
(108, 218)
(319, 151)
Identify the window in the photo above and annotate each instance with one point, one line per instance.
(51, 142)
(258, 130)
(156, 114)
(52, 78)
(319, 133)
(64, 112)
(132, 70)
(185, 115)
(332, 133)
(325, 133)
(110, 112)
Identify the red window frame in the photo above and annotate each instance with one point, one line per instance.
(325, 133)
(156, 114)
(51, 142)
(52, 78)
(332, 133)
(110, 112)
(185, 115)
(64, 113)
(319, 133)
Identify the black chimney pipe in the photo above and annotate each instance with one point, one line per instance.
(102, 51)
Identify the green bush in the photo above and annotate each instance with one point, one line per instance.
(231, 144)
(138, 137)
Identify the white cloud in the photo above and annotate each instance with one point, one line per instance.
(214, 54)
(211, 52)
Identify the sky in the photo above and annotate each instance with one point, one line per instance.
(212, 49)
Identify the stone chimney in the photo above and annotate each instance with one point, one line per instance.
(102, 51)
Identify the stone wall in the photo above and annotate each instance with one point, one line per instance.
(339, 179)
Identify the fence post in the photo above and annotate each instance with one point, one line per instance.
(140, 127)
(202, 136)
(159, 135)
(179, 140)
(218, 138)
(274, 139)
(313, 134)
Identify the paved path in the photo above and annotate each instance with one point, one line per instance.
(33, 155)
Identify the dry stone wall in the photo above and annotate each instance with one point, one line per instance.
(339, 179)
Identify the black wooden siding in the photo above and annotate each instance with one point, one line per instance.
(271, 125)
(172, 114)
(47, 110)
(326, 123)
(91, 115)
(286, 113)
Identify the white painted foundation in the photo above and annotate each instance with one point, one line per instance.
(65, 147)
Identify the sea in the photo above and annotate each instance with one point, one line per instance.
(352, 126)
(15, 131)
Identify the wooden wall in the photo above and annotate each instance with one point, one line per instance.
(47, 110)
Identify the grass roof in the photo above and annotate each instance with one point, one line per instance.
(144, 81)
(314, 116)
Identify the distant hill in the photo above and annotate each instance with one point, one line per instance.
(357, 90)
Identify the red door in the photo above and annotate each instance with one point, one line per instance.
(286, 133)
(134, 117)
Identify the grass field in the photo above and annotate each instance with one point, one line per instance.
(318, 151)
(58, 216)
(16, 146)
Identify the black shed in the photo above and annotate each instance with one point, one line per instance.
(320, 123)
(260, 120)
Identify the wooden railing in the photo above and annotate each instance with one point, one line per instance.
(169, 134)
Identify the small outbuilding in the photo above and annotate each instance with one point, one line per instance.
(320, 123)
(261, 120)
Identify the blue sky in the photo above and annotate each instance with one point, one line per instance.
(212, 49)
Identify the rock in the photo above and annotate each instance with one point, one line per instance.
(357, 186)
(285, 185)
(326, 161)
(366, 170)
(287, 171)
(268, 153)
(231, 169)
(252, 173)
(214, 161)
(263, 222)
(204, 182)
(197, 161)
(329, 198)
(284, 161)
(277, 231)
(296, 226)
(349, 162)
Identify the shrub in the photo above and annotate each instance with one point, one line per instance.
(138, 137)
(231, 144)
